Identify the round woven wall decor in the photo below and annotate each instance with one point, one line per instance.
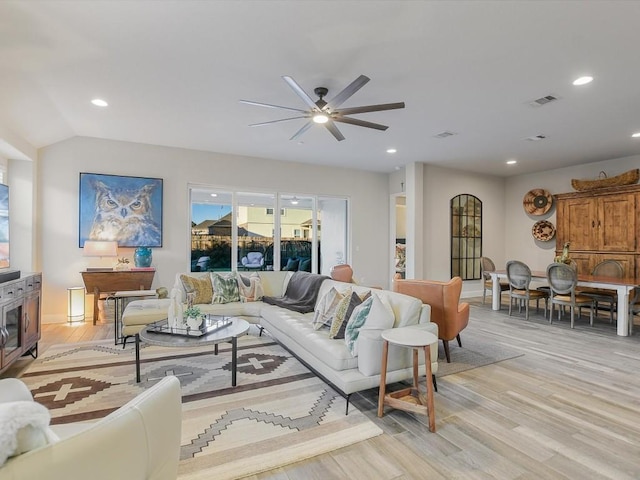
(537, 201)
(543, 230)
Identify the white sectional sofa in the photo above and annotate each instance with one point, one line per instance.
(328, 358)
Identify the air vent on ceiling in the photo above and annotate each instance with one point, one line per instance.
(536, 138)
(444, 134)
(538, 102)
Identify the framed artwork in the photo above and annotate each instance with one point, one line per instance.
(123, 209)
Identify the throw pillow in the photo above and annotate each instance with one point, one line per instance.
(250, 288)
(292, 265)
(374, 313)
(24, 426)
(326, 308)
(305, 265)
(343, 312)
(201, 286)
(225, 288)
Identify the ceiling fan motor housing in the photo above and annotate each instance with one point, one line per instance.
(321, 92)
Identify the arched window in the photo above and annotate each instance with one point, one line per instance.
(466, 236)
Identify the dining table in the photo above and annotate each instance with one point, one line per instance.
(622, 286)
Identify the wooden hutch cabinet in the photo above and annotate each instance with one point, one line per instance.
(600, 225)
(19, 318)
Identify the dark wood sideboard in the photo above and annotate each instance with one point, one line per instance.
(102, 282)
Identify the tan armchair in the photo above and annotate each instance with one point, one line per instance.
(342, 273)
(447, 312)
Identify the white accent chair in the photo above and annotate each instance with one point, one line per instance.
(253, 261)
(139, 441)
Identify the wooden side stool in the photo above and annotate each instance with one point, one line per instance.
(409, 399)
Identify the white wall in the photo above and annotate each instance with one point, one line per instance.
(61, 163)
(519, 242)
(440, 186)
(22, 183)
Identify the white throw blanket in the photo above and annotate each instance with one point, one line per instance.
(23, 427)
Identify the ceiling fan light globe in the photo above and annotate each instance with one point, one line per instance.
(320, 118)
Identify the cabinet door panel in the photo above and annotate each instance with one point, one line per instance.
(579, 223)
(616, 223)
(32, 319)
(584, 262)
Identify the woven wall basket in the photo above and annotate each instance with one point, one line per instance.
(626, 178)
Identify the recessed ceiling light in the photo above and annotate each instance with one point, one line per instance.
(583, 80)
(214, 194)
(511, 162)
(636, 135)
(98, 102)
(391, 150)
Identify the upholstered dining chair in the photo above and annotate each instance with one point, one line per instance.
(606, 268)
(451, 315)
(519, 276)
(562, 282)
(486, 267)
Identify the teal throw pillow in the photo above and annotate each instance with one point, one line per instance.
(375, 313)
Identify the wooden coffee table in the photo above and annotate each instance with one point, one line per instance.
(228, 334)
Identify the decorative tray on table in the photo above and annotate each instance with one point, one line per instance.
(211, 323)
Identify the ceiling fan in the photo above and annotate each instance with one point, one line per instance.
(327, 113)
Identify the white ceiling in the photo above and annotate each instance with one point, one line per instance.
(173, 72)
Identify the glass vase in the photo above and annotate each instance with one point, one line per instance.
(142, 257)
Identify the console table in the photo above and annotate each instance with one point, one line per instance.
(115, 281)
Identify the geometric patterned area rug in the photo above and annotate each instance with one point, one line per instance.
(278, 413)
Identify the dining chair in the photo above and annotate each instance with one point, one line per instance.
(562, 283)
(519, 276)
(634, 306)
(486, 267)
(606, 268)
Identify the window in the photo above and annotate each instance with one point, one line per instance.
(466, 236)
(270, 211)
(227, 225)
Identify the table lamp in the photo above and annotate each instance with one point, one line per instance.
(93, 248)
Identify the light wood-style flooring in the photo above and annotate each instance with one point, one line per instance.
(568, 408)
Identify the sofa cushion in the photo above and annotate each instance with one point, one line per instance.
(250, 288)
(374, 313)
(225, 288)
(298, 328)
(326, 309)
(201, 286)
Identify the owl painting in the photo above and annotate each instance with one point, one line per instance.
(123, 210)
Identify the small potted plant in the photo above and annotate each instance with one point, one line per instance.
(193, 315)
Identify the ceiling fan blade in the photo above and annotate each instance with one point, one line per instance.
(360, 123)
(268, 105)
(300, 92)
(334, 130)
(349, 90)
(304, 128)
(370, 108)
(276, 121)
